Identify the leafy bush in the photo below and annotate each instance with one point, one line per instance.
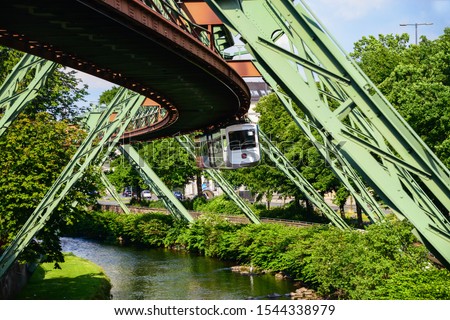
(291, 211)
(383, 262)
(220, 204)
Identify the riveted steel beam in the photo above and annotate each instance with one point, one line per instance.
(101, 138)
(16, 93)
(187, 143)
(340, 98)
(112, 191)
(158, 187)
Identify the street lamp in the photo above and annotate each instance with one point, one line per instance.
(415, 25)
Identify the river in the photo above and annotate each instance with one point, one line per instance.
(162, 274)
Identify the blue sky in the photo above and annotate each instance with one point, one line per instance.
(350, 20)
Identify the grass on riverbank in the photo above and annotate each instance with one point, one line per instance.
(78, 279)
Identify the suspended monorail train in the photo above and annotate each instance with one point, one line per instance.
(232, 147)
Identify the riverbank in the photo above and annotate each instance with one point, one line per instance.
(78, 279)
(385, 262)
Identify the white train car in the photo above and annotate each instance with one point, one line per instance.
(233, 147)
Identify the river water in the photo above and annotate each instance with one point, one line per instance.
(161, 274)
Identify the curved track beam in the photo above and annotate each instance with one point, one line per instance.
(130, 44)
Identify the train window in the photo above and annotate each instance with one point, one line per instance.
(232, 147)
(242, 139)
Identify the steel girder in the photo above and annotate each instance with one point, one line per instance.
(113, 193)
(15, 93)
(158, 187)
(360, 133)
(187, 143)
(102, 138)
(297, 178)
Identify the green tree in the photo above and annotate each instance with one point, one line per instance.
(34, 152)
(379, 56)
(416, 80)
(122, 175)
(61, 94)
(266, 178)
(170, 161)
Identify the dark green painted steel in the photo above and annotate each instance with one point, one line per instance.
(152, 56)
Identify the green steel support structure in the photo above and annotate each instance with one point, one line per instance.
(113, 193)
(358, 131)
(158, 187)
(145, 116)
(187, 143)
(102, 138)
(296, 177)
(15, 92)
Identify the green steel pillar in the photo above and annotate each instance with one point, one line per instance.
(360, 133)
(15, 92)
(145, 116)
(296, 177)
(113, 193)
(102, 138)
(158, 187)
(215, 174)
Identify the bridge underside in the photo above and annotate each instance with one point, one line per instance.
(130, 45)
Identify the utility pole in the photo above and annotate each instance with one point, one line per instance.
(415, 25)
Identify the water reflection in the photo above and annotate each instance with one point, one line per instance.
(158, 274)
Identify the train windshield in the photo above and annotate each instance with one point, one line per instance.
(242, 139)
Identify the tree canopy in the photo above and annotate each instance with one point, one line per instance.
(35, 149)
(416, 80)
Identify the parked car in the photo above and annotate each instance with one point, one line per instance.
(178, 195)
(126, 193)
(146, 195)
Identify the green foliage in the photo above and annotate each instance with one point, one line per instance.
(206, 235)
(173, 165)
(416, 80)
(61, 94)
(170, 162)
(143, 229)
(383, 262)
(34, 152)
(351, 265)
(107, 96)
(123, 175)
(220, 204)
(291, 211)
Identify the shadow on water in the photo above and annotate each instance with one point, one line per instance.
(161, 274)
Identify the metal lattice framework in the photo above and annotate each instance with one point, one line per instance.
(283, 164)
(16, 91)
(104, 136)
(187, 143)
(353, 125)
(158, 187)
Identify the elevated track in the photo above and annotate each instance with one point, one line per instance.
(147, 48)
